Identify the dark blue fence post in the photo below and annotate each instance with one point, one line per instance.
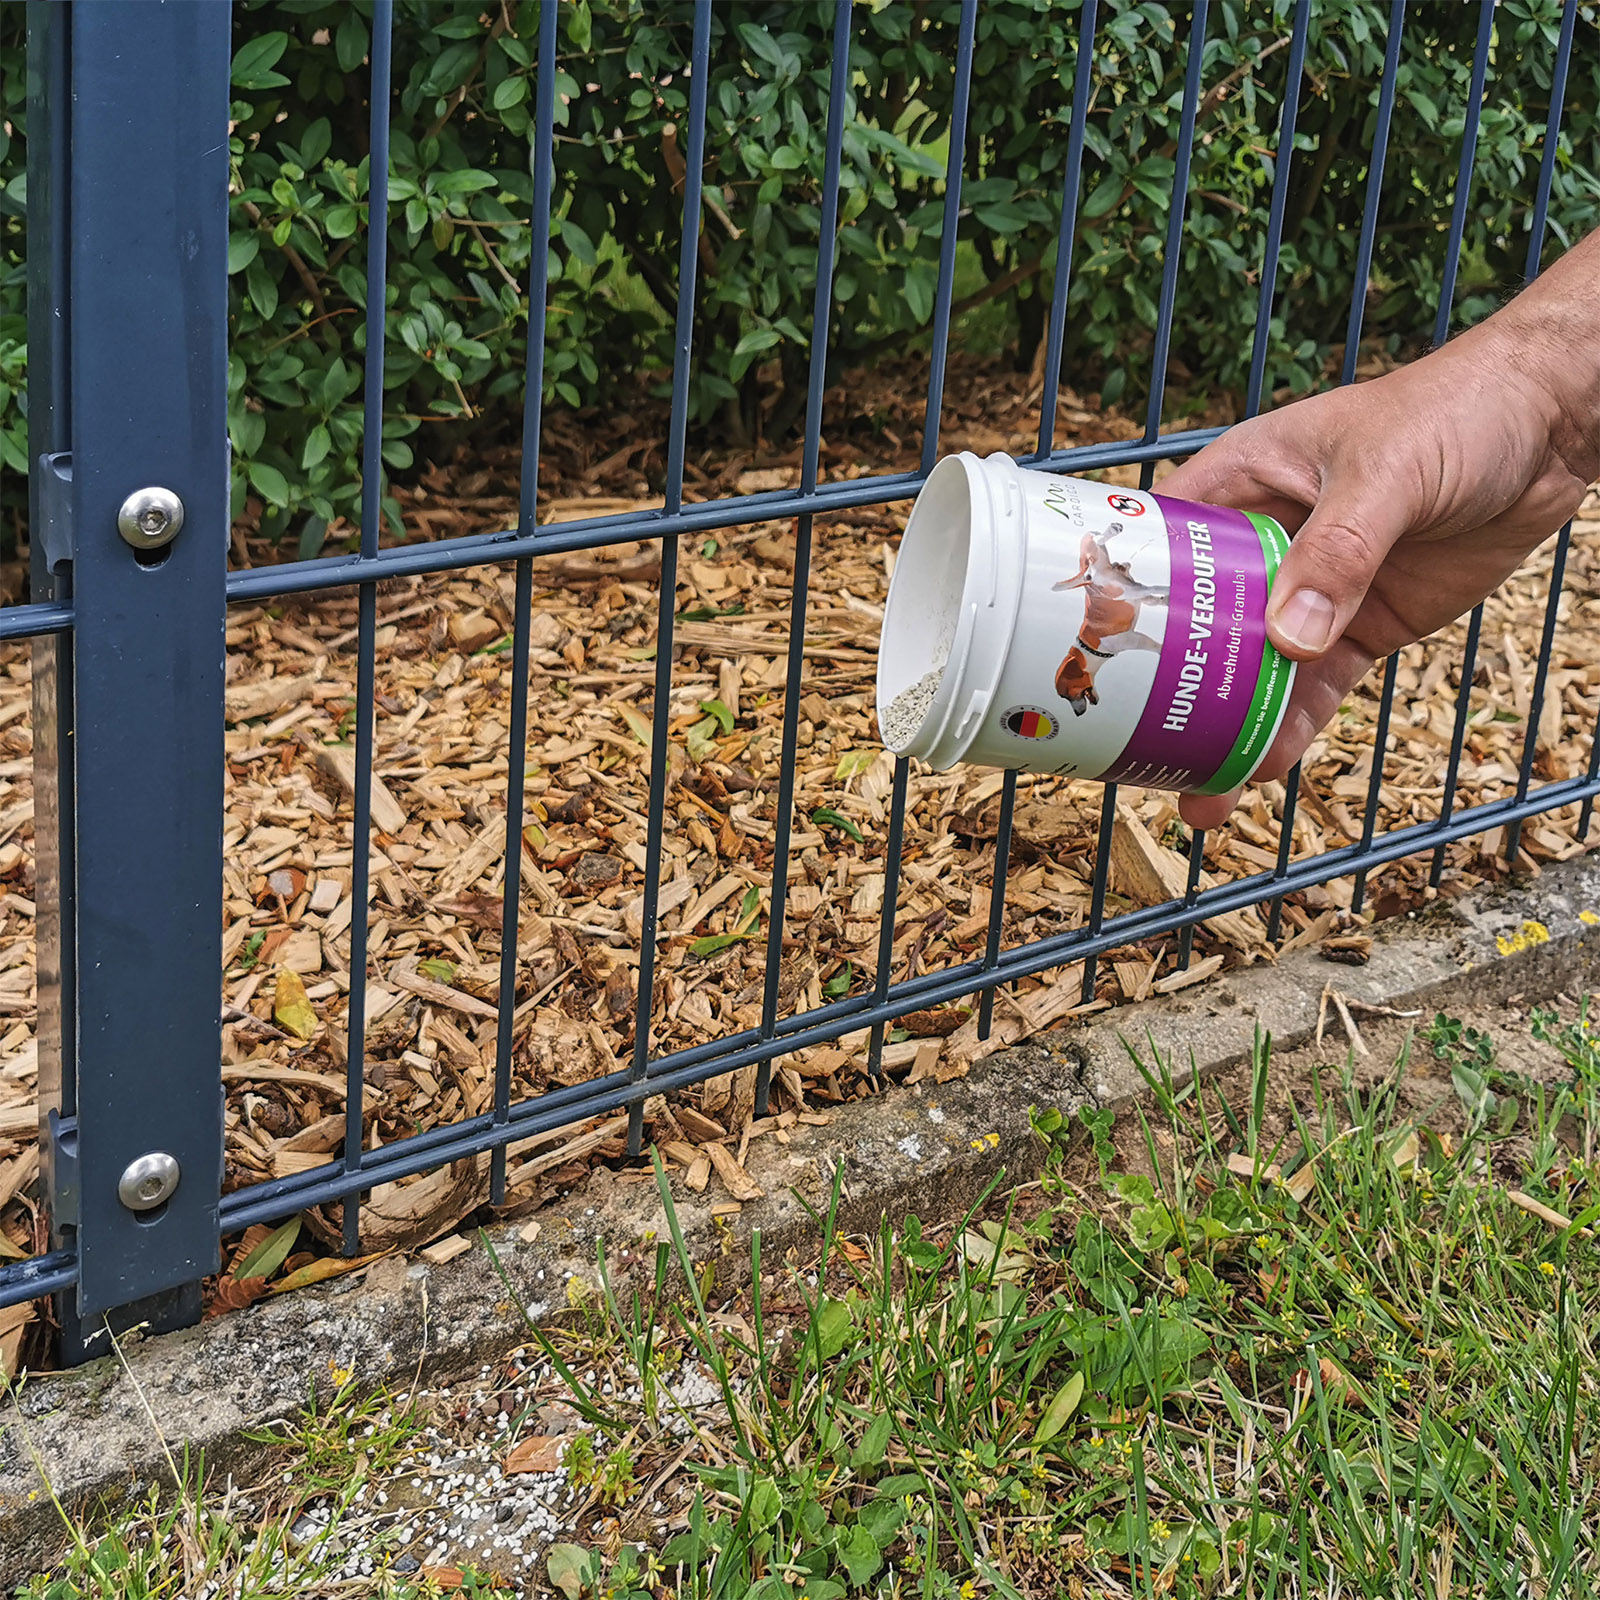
(142, 513)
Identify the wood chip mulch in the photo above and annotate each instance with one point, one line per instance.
(437, 853)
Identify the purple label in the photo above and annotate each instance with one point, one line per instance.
(1211, 651)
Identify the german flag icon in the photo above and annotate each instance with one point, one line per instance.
(1030, 722)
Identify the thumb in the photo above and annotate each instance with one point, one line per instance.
(1330, 565)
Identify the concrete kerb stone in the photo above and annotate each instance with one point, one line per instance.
(931, 1150)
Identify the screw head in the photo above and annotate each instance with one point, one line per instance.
(150, 518)
(148, 1181)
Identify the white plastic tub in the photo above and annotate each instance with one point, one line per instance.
(1053, 624)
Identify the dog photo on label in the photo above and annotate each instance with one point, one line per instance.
(1112, 601)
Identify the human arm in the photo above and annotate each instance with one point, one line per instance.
(1415, 495)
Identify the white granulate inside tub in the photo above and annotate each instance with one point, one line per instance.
(909, 708)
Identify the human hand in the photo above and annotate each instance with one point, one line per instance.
(1413, 496)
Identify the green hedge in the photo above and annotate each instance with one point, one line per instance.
(461, 191)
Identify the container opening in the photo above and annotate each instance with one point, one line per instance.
(924, 605)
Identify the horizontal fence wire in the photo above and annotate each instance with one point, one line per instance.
(344, 1179)
(36, 621)
(681, 1069)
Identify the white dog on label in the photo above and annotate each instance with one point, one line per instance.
(1112, 600)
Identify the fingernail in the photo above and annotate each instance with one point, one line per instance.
(1305, 619)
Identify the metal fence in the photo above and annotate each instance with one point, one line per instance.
(128, 229)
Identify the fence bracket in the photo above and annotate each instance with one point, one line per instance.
(57, 532)
(63, 1132)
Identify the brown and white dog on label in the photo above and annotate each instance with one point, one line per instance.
(1112, 598)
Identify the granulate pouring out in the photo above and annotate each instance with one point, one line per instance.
(909, 707)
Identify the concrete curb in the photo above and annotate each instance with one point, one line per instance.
(929, 1150)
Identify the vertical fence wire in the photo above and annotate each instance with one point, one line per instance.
(1171, 261)
(1055, 341)
(1191, 887)
(677, 445)
(1374, 195)
(1441, 332)
(1352, 350)
(821, 313)
(997, 896)
(1536, 233)
(1380, 749)
(367, 603)
(891, 879)
(522, 606)
(950, 228)
(1097, 886)
(1066, 237)
(1288, 120)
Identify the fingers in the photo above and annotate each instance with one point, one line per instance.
(1320, 688)
(1207, 810)
(1331, 563)
(1218, 475)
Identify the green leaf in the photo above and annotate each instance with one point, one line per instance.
(350, 41)
(839, 983)
(832, 1325)
(318, 444)
(339, 222)
(270, 1254)
(1106, 194)
(761, 43)
(874, 1444)
(312, 537)
(315, 143)
(859, 1555)
(255, 59)
(757, 339)
(714, 942)
(509, 92)
(263, 289)
(853, 762)
(901, 1484)
(825, 817)
(1059, 1412)
(242, 250)
(715, 708)
(463, 182)
(749, 908)
(440, 971)
(701, 739)
(269, 483)
(919, 291)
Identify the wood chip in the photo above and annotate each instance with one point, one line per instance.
(440, 994)
(1243, 1166)
(447, 1249)
(738, 1182)
(338, 761)
(1151, 874)
(1187, 977)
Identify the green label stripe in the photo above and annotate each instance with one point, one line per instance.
(1272, 682)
